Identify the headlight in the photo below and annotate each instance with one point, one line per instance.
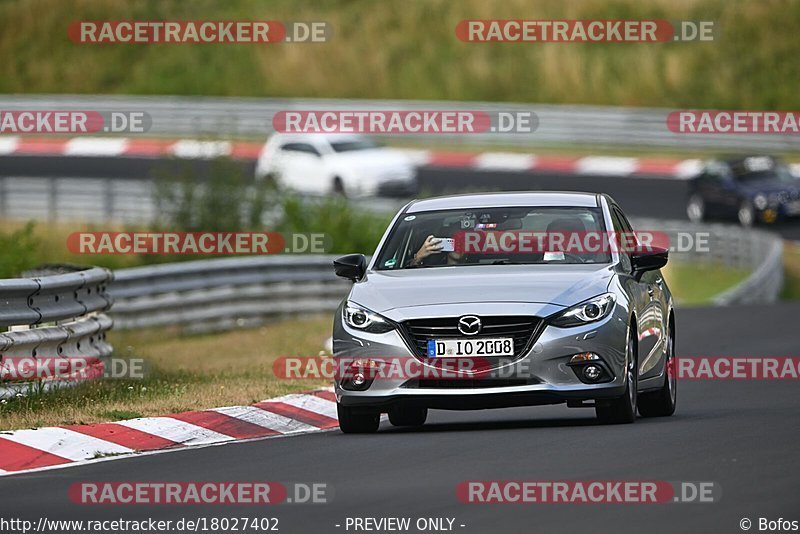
(586, 312)
(762, 201)
(360, 318)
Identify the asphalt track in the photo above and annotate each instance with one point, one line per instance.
(661, 197)
(743, 435)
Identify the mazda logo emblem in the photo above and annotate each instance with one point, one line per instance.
(469, 325)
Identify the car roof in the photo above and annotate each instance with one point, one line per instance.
(310, 137)
(735, 159)
(506, 199)
(737, 164)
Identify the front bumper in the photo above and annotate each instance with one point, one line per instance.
(542, 375)
(777, 212)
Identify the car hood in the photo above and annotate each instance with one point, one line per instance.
(547, 285)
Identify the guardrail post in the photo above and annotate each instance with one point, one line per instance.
(3, 197)
(52, 199)
(108, 200)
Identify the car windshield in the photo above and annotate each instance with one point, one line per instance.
(350, 145)
(756, 169)
(490, 236)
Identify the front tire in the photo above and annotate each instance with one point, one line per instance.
(746, 214)
(622, 410)
(353, 422)
(338, 187)
(696, 209)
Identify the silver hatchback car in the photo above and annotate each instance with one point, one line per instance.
(505, 299)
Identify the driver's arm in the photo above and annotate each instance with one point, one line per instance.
(430, 246)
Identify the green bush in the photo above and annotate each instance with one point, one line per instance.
(348, 228)
(226, 201)
(20, 251)
(223, 201)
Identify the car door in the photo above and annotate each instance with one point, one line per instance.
(708, 188)
(721, 191)
(652, 319)
(300, 167)
(643, 294)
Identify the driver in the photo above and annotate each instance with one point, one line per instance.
(566, 227)
(432, 247)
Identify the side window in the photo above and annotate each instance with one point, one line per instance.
(626, 225)
(621, 228)
(717, 173)
(300, 147)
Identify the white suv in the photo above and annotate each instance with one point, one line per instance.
(350, 165)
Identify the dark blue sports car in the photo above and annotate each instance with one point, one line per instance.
(752, 189)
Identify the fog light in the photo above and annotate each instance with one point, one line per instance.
(592, 372)
(359, 379)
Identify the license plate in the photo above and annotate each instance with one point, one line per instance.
(459, 348)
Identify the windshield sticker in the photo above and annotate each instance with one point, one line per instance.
(553, 256)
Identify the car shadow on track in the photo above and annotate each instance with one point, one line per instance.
(513, 424)
(467, 426)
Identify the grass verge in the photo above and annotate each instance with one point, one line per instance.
(791, 271)
(183, 373)
(696, 284)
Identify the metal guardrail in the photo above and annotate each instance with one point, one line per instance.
(755, 250)
(558, 124)
(111, 200)
(224, 293)
(54, 316)
(54, 198)
(765, 282)
(235, 292)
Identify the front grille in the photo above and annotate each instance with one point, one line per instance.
(523, 328)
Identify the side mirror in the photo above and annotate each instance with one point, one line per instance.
(648, 260)
(352, 266)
